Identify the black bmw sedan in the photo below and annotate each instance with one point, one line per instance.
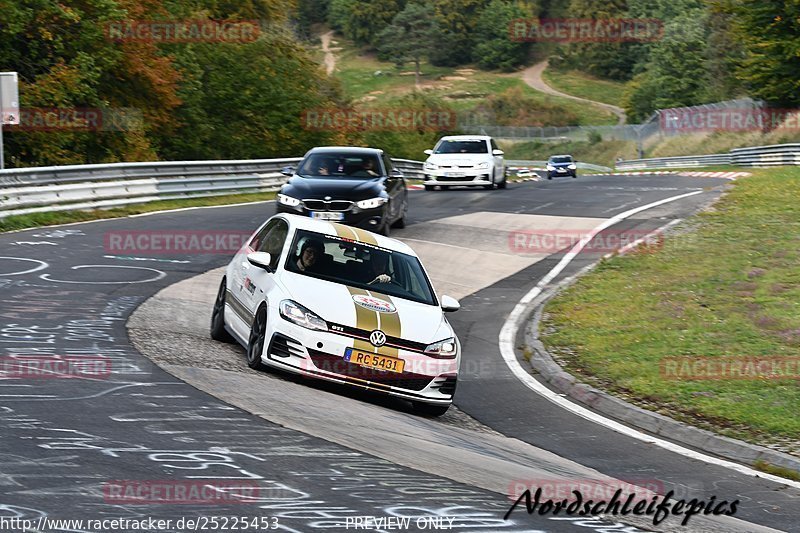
(355, 186)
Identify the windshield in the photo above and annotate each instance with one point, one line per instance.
(340, 165)
(462, 147)
(561, 159)
(360, 265)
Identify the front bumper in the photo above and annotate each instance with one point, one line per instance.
(368, 219)
(320, 355)
(561, 171)
(464, 177)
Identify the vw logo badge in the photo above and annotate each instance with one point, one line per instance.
(377, 338)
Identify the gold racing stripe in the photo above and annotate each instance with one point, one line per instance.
(390, 324)
(365, 320)
(349, 232)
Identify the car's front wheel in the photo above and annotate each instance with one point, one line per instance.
(255, 343)
(218, 331)
(429, 409)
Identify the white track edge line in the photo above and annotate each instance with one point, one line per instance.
(511, 326)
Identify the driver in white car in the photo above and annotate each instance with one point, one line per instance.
(378, 267)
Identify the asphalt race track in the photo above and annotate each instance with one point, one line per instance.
(318, 455)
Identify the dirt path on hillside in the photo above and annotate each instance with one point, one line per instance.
(533, 77)
(330, 59)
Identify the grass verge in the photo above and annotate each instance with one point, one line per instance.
(724, 285)
(35, 220)
(600, 153)
(585, 86)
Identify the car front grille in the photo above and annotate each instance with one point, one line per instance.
(328, 205)
(394, 342)
(337, 365)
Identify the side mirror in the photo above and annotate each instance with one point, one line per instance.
(450, 305)
(498, 152)
(288, 171)
(395, 173)
(429, 152)
(260, 259)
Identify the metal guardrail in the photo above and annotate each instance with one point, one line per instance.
(542, 165)
(43, 189)
(754, 156)
(765, 156)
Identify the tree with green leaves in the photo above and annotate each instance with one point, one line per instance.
(363, 20)
(495, 49)
(770, 33)
(410, 37)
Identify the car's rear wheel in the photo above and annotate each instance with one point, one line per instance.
(218, 331)
(444, 187)
(428, 187)
(429, 409)
(255, 343)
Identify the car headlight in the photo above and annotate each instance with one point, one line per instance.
(288, 200)
(296, 313)
(482, 165)
(372, 203)
(550, 167)
(572, 167)
(430, 166)
(445, 349)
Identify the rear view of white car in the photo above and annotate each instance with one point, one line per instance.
(341, 304)
(465, 160)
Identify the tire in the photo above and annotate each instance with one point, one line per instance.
(549, 177)
(255, 343)
(400, 223)
(218, 331)
(444, 187)
(428, 187)
(428, 409)
(502, 184)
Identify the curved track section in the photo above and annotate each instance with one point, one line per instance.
(323, 454)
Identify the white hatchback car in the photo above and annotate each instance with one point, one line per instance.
(465, 160)
(341, 304)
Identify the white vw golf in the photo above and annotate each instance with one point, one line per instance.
(341, 304)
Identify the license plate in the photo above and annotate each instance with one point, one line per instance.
(324, 215)
(454, 174)
(373, 360)
(562, 169)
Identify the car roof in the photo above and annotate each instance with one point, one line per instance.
(334, 229)
(350, 149)
(466, 138)
(565, 155)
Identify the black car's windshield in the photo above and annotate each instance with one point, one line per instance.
(340, 165)
(462, 147)
(360, 265)
(561, 159)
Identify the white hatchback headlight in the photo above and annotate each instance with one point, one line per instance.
(445, 349)
(296, 313)
(372, 203)
(430, 166)
(288, 200)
